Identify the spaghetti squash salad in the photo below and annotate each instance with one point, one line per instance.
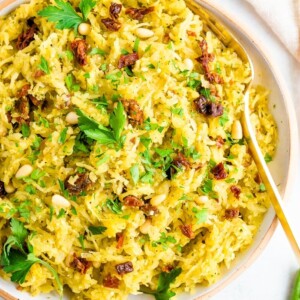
(123, 168)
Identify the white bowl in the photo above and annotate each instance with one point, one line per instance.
(282, 167)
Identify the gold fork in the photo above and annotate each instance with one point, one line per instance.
(211, 23)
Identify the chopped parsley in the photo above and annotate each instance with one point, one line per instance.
(135, 173)
(268, 158)
(200, 214)
(44, 66)
(163, 291)
(25, 129)
(114, 205)
(164, 241)
(63, 136)
(101, 134)
(97, 51)
(72, 86)
(97, 229)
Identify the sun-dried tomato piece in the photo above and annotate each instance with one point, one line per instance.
(124, 268)
(133, 201)
(26, 37)
(115, 10)
(38, 74)
(204, 60)
(134, 113)
(79, 48)
(219, 171)
(219, 142)
(111, 24)
(80, 264)
(187, 230)
(2, 189)
(236, 191)
(167, 268)
(81, 184)
(181, 161)
(191, 33)
(208, 108)
(120, 236)
(127, 60)
(139, 13)
(232, 213)
(111, 282)
(23, 108)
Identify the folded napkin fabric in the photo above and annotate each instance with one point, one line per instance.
(283, 16)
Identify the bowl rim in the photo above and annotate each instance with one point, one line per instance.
(246, 31)
(293, 132)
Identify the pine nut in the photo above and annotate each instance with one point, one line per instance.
(72, 118)
(189, 65)
(144, 33)
(9, 188)
(164, 187)
(24, 171)
(144, 228)
(236, 131)
(201, 199)
(84, 28)
(158, 199)
(60, 201)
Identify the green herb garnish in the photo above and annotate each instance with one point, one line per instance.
(65, 16)
(97, 229)
(104, 135)
(200, 214)
(16, 260)
(44, 66)
(163, 291)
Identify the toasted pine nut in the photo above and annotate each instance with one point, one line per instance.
(144, 33)
(93, 177)
(236, 131)
(158, 199)
(189, 65)
(72, 118)
(9, 188)
(60, 201)
(164, 188)
(24, 171)
(201, 199)
(144, 228)
(84, 28)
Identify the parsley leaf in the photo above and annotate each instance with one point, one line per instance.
(200, 214)
(163, 289)
(117, 120)
(86, 6)
(97, 229)
(18, 262)
(44, 66)
(101, 133)
(64, 15)
(98, 51)
(135, 173)
(164, 240)
(115, 206)
(63, 136)
(25, 129)
(268, 157)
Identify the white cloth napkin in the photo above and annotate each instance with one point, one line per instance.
(283, 16)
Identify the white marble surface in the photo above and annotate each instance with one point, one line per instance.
(271, 275)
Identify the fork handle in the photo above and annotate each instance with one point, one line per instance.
(267, 179)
